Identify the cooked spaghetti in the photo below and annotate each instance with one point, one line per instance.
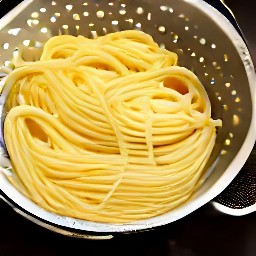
(108, 129)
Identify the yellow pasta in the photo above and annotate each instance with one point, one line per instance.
(108, 129)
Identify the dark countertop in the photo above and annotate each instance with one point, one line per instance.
(205, 232)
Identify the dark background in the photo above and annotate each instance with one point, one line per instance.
(205, 232)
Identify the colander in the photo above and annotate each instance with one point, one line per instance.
(206, 42)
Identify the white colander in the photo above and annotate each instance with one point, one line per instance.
(206, 42)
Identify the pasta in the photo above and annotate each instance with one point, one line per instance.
(108, 129)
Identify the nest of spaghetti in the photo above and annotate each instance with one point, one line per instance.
(108, 129)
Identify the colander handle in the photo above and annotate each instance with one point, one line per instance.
(226, 11)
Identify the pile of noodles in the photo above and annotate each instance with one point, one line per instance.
(108, 129)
